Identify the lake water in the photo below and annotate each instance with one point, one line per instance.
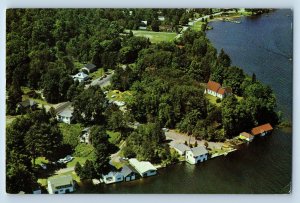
(262, 45)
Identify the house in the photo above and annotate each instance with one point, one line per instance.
(181, 148)
(112, 177)
(144, 168)
(216, 90)
(161, 18)
(27, 104)
(262, 130)
(80, 77)
(85, 136)
(196, 155)
(89, 68)
(246, 136)
(61, 185)
(128, 173)
(64, 112)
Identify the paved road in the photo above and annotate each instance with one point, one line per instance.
(65, 170)
(101, 82)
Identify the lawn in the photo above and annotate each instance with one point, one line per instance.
(81, 160)
(114, 137)
(117, 95)
(197, 26)
(97, 74)
(85, 151)
(40, 160)
(212, 100)
(78, 65)
(155, 37)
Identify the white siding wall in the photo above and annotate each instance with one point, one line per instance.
(193, 160)
(149, 173)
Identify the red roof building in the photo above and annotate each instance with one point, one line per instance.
(215, 89)
(262, 129)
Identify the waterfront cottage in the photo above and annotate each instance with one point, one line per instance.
(144, 168)
(89, 68)
(112, 177)
(246, 136)
(80, 77)
(181, 148)
(216, 90)
(61, 185)
(196, 155)
(64, 112)
(262, 130)
(128, 173)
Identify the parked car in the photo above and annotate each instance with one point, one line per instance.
(165, 129)
(68, 159)
(43, 166)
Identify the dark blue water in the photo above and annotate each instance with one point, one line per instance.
(262, 45)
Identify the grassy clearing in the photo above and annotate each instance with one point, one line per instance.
(78, 65)
(198, 26)
(97, 74)
(239, 98)
(114, 137)
(81, 160)
(117, 95)
(40, 160)
(156, 37)
(212, 99)
(84, 151)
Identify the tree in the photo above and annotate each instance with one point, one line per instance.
(78, 168)
(103, 149)
(89, 106)
(43, 140)
(223, 59)
(14, 96)
(155, 25)
(199, 47)
(88, 170)
(253, 78)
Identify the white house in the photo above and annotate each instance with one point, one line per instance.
(181, 148)
(196, 155)
(144, 168)
(64, 112)
(81, 77)
(112, 177)
(216, 90)
(61, 185)
(128, 173)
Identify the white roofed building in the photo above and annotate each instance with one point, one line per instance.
(144, 168)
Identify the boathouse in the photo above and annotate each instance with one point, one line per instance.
(144, 168)
(196, 155)
(262, 130)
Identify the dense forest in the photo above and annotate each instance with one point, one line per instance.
(167, 81)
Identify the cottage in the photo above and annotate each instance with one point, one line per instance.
(85, 136)
(196, 155)
(128, 173)
(144, 168)
(80, 77)
(262, 130)
(216, 90)
(27, 104)
(61, 185)
(181, 148)
(246, 136)
(89, 68)
(64, 112)
(112, 177)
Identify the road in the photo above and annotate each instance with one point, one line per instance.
(101, 82)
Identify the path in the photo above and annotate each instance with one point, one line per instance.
(115, 158)
(101, 82)
(65, 170)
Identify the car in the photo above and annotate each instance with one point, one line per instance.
(43, 166)
(61, 161)
(68, 159)
(165, 129)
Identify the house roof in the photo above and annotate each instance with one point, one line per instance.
(214, 86)
(141, 166)
(112, 174)
(60, 181)
(126, 170)
(247, 135)
(261, 129)
(197, 151)
(64, 109)
(90, 66)
(81, 75)
(86, 129)
(27, 103)
(181, 147)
